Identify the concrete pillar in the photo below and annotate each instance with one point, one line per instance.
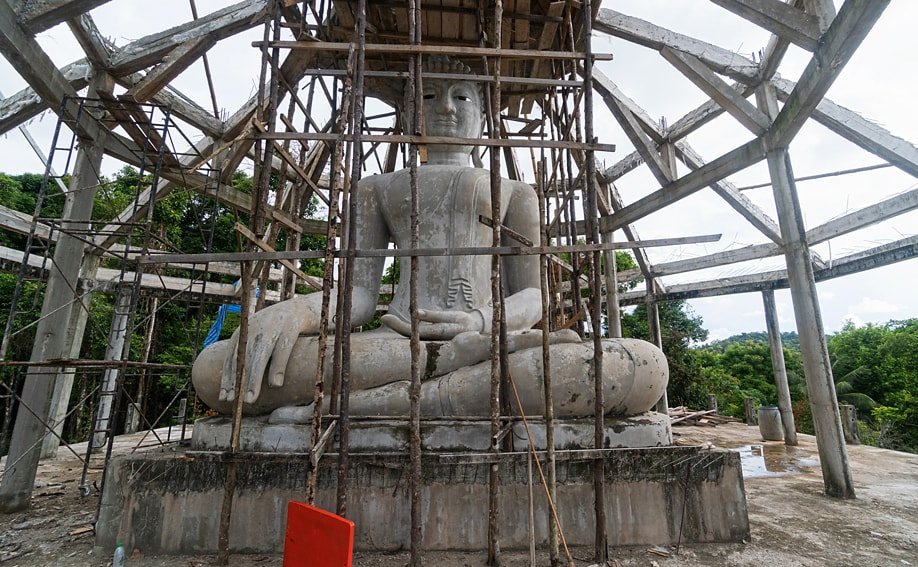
(779, 368)
(849, 424)
(749, 410)
(656, 337)
(63, 385)
(51, 336)
(113, 351)
(833, 455)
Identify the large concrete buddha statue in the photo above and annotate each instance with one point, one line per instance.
(454, 298)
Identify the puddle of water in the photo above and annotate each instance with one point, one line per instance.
(763, 461)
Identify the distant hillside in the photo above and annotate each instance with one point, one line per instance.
(789, 339)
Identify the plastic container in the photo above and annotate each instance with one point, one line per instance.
(118, 556)
(770, 425)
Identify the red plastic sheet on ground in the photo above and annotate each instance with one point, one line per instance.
(316, 538)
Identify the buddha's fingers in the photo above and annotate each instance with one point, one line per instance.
(228, 375)
(282, 350)
(258, 354)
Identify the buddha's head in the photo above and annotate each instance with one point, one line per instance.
(452, 108)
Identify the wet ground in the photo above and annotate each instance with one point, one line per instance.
(792, 522)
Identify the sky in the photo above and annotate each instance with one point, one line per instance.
(879, 82)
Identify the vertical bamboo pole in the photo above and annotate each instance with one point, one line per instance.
(600, 551)
(348, 288)
(496, 294)
(414, 97)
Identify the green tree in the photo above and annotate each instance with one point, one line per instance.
(680, 328)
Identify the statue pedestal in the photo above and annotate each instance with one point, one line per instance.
(167, 503)
(258, 436)
(656, 495)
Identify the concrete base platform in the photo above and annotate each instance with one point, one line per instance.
(258, 436)
(171, 504)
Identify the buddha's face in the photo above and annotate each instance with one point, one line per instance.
(452, 108)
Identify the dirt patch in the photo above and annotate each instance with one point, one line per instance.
(793, 524)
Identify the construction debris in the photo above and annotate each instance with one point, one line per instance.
(706, 418)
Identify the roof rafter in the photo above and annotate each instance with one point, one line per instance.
(779, 18)
(40, 15)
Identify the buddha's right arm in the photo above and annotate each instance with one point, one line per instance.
(363, 307)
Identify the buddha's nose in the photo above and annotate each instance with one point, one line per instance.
(447, 106)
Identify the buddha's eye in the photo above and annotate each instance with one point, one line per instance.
(429, 96)
(463, 98)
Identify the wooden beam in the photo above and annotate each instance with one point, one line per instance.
(644, 33)
(855, 220)
(727, 164)
(853, 23)
(823, 10)
(728, 192)
(180, 106)
(898, 251)
(97, 49)
(722, 93)
(779, 18)
(860, 131)
(625, 165)
(607, 88)
(40, 15)
(172, 66)
(642, 143)
(27, 104)
(34, 65)
(218, 25)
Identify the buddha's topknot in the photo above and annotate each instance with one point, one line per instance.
(445, 64)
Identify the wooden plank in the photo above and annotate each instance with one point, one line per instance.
(402, 252)
(453, 50)
(410, 139)
(779, 18)
(741, 109)
(644, 33)
(251, 237)
(838, 44)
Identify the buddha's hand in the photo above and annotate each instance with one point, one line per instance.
(272, 333)
(437, 325)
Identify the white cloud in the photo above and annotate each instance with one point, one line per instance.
(871, 306)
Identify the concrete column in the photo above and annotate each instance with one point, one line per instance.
(51, 336)
(63, 385)
(833, 454)
(656, 337)
(779, 368)
(113, 351)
